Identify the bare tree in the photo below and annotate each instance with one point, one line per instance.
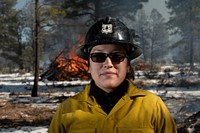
(37, 51)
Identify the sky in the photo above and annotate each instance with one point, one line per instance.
(21, 3)
(157, 4)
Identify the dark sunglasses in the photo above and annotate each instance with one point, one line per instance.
(114, 57)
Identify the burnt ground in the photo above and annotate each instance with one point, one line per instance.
(20, 109)
(14, 115)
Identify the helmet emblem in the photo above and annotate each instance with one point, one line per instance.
(106, 28)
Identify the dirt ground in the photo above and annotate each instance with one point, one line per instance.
(14, 115)
(20, 109)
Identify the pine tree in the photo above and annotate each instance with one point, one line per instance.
(185, 21)
(9, 43)
(158, 38)
(153, 36)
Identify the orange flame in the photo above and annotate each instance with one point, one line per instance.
(73, 66)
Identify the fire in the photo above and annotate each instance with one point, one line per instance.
(69, 68)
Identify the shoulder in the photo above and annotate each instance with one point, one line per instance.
(77, 99)
(134, 90)
(145, 95)
(146, 99)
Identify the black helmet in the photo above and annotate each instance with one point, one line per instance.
(109, 31)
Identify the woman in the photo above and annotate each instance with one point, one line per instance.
(111, 103)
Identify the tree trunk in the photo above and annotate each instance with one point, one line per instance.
(37, 50)
(191, 53)
(191, 39)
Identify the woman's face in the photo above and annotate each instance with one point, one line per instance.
(110, 73)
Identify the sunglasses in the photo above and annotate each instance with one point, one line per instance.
(114, 57)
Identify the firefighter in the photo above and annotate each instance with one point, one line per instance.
(111, 103)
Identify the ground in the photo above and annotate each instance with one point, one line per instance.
(19, 111)
(24, 113)
(21, 115)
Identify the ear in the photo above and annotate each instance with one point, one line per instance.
(129, 69)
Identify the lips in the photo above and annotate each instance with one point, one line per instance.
(108, 73)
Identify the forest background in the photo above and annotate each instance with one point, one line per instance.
(41, 34)
(63, 22)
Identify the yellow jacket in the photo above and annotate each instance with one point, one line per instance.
(138, 111)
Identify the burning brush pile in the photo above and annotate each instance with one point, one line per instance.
(71, 68)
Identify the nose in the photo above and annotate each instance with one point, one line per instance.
(108, 63)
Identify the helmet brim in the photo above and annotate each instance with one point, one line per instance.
(83, 51)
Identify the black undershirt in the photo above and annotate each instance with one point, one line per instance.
(108, 100)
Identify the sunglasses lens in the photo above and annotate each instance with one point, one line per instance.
(101, 57)
(117, 57)
(98, 57)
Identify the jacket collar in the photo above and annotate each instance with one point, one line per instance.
(108, 100)
(132, 92)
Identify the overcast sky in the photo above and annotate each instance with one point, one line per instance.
(157, 4)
